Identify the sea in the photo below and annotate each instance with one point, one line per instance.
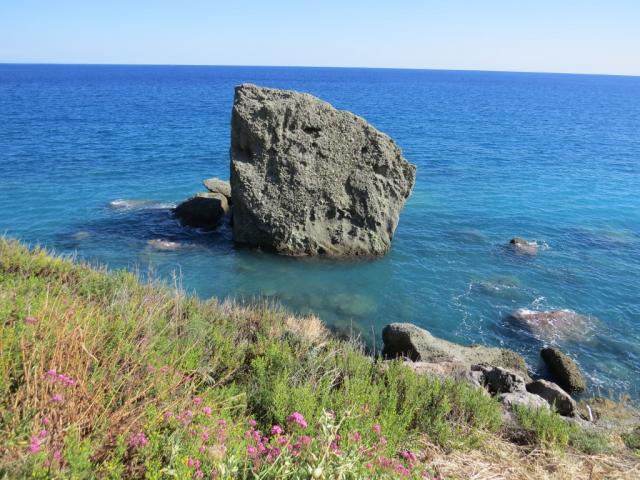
(93, 158)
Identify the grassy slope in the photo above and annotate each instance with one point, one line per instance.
(103, 376)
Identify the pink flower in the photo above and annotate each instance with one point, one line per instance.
(207, 410)
(297, 418)
(57, 456)
(409, 456)
(402, 470)
(376, 428)
(164, 369)
(356, 437)
(199, 474)
(138, 440)
(51, 374)
(277, 430)
(305, 440)
(167, 416)
(197, 401)
(251, 451)
(252, 423)
(57, 398)
(31, 320)
(205, 435)
(192, 462)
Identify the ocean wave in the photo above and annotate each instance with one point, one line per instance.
(128, 204)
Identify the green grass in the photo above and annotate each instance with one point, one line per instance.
(189, 377)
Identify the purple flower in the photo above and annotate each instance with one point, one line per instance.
(207, 410)
(277, 430)
(57, 398)
(297, 418)
(138, 440)
(376, 428)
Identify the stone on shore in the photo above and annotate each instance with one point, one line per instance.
(522, 399)
(215, 185)
(417, 344)
(554, 325)
(203, 210)
(501, 380)
(307, 179)
(552, 393)
(565, 370)
(522, 246)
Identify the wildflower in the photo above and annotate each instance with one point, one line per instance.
(251, 451)
(409, 456)
(164, 369)
(383, 441)
(45, 421)
(199, 474)
(376, 428)
(205, 435)
(197, 401)
(57, 456)
(402, 470)
(31, 320)
(305, 440)
(252, 423)
(51, 374)
(207, 410)
(36, 442)
(167, 416)
(277, 430)
(282, 440)
(138, 440)
(193, 462)
(297, 418)
(151, 369)
(57, 398)
(356, 437)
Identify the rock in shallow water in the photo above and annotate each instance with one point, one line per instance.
(564, 369)
(203, 210)
(308, 179)
(554, 325)
(522, 246)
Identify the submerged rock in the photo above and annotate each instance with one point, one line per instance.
(407, 340)
(308, 179)
(564, 369)
(520, 245)
(203, 210)
(556, 396)
(554, 325)
(163, 245)
(215, 185)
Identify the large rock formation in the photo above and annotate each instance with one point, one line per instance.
(308, 179)
(417, 344)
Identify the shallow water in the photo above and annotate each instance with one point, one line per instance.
(93, 157)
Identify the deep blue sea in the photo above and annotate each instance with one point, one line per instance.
(93, 157)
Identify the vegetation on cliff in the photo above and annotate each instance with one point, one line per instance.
(104, 376)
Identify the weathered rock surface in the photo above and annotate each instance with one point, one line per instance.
(308, 179)
(554, 325)
(523, 399)
(565, 370)
(203, 210)
(407, 340)
(215, 185)
(522, 246)
(552, 393)
(501, 380)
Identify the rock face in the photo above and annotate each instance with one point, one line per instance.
(203, 210)
(407, 340)
(552, 393)
(523, 399)
(564, 369)
(522, 246)
(500, 380)
(215, 185)
(554, 325)
(308, 179)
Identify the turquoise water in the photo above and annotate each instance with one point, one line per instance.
(553, 158)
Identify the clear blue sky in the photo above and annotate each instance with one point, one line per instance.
(585, 36)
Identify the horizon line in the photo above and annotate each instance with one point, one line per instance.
(540, 72)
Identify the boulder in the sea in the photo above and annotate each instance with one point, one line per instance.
(215, 185)
(307, 179)
(522, 399)
(203, 210)
(554, 325)
(501, 380)
(564, 369)
(556, 396)
(417, 344)
(522, 246)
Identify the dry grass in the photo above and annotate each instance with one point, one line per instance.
(499, 459)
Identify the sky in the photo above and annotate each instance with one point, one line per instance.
(587, 36)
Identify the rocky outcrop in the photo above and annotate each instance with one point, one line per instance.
(203, 210)
(500, 380)
(522, 246)
(407, 340)
(215, 185)
(308, 179)
(554, 325)
(564, 369)
(556, 396)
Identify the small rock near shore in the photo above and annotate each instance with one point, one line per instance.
(522, 399)
(417, 344)
(552, 393)
(215, 185)
(565, 370)
(520, 245)
(203, 210)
